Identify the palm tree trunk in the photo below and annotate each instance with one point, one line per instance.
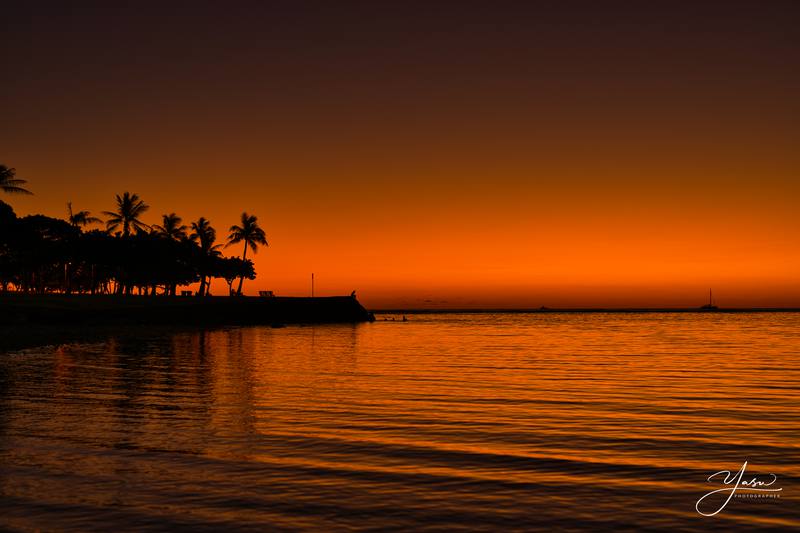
(241, 278)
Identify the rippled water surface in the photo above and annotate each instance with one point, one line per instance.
(447, 422)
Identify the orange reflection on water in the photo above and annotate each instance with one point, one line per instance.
(487, 418)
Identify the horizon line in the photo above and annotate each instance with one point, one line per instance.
(544, 310)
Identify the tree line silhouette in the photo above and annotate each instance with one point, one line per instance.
(40, 254)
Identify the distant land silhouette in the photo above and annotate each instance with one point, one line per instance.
(60, 281)
(41, 254)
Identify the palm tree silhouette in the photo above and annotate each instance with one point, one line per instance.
(203, 233)
(10, 183)
(129, 209)
(171, 227)
(175, 232)
(251, 234)
(80, 218)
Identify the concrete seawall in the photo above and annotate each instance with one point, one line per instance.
(74, 310)
(28, 321)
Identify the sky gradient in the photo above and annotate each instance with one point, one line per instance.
(433, 154)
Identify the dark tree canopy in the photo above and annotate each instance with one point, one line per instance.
(41, 254)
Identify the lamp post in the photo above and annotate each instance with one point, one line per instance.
(66, 277)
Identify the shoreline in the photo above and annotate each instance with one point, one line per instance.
(30, 320)
(84, 309)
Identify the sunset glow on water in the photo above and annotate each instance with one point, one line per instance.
(448, 421)
(405, 265)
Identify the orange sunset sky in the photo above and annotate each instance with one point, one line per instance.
(433, 154)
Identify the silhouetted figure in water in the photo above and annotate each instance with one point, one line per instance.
(405, 319)
(353, 294)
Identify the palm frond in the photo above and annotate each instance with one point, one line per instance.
(9, 183)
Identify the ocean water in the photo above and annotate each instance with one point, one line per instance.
(447, 422)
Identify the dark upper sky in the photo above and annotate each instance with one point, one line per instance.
(555, 133)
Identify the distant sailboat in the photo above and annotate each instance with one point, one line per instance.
(711, 305)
